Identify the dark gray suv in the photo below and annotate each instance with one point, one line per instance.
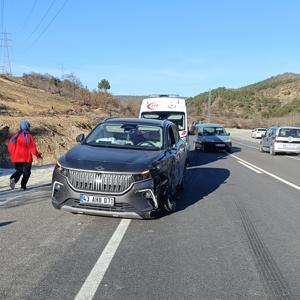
(124, 167)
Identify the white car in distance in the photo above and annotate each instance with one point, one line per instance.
(258, 133)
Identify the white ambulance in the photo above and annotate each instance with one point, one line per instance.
(170, 107)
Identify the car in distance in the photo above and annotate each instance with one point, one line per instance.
(257, 133)
(281, 139)
(124, 167)
(212, 137)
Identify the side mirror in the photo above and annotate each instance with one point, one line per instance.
(263, 134)
(200, 133)
(228, 133)
(80, 138)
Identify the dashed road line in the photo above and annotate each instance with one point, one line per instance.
(256, 148)
(95, 277)
(268, 173)
(249, 167)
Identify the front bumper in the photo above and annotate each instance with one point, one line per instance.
(220, 145)
(138, 202)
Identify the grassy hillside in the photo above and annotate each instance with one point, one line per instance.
(275, 97)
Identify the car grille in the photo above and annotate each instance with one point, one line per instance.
(99, 182)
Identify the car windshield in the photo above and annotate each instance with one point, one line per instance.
(287, 132)
(214, 131)
(137, 136)
(178, 118)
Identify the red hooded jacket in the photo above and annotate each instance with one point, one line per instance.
(22, 150)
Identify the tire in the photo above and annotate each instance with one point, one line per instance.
(229, 150)
(272, 151)
(261, 148)
(169, 203)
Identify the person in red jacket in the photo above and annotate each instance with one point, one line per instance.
(21, 147)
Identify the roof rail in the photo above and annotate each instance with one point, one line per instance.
(164, 95)
(106, 119)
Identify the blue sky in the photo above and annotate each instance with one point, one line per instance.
(149, 47)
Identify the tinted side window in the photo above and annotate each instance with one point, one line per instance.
(176, 134)
(171, 138)
(269, 132)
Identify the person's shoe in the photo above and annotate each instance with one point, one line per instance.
(23, 188)
(12, 183)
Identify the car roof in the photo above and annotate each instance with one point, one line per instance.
(138, 121)
(209, 125)
(289, 127)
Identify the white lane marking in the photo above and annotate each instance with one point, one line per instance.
(194, 167)
(251, 168)
(268, 173)
(95, 277)
(21, 195)
(246, 145)
(296, 158)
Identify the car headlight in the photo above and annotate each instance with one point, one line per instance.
(61, 170)
(142, 176)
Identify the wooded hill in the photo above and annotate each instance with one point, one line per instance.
(276, 97)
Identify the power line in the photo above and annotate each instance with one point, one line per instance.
(24, 25)
(41, 21)
(2, 15)
(48, 25)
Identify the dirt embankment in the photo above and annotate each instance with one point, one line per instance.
(53, 135)
(55, 120)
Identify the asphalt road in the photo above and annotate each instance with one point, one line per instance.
(235, 235)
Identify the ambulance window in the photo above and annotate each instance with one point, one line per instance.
(150, 116)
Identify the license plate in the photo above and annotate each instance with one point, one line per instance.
(288, 146)
(105, 201)
(220, 145)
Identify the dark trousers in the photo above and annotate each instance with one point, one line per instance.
(22, 168)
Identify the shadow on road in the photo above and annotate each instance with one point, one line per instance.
(200, 183)
(2, 224)
(199, 158)
(201, 180)
(40, 194)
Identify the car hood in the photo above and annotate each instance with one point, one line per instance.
(110, 159)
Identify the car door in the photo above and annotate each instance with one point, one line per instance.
(181, 155)
(265, 140)
(173, 161)
(271, 137)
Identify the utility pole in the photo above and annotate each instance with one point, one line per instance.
(6, 66)
(209, 105)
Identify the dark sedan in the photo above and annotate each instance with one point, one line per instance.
(124, 168)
